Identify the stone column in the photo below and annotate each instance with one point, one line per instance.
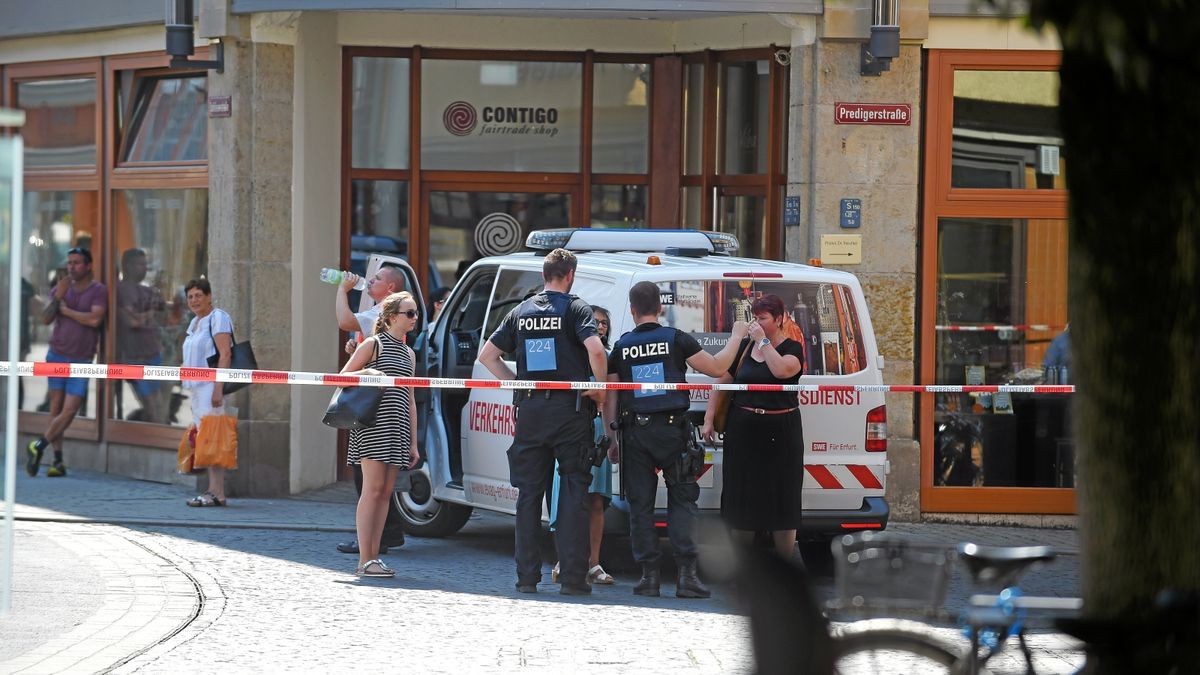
(879, 165)
(250, 243)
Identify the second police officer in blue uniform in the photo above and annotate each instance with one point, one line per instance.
(553, 336)
(656, 434)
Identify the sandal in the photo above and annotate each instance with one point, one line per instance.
(375, 568)
(597, 575)
(206, 499)
(555, 572)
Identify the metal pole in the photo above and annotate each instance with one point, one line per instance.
(10, 408)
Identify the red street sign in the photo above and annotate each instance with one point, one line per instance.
(872, 113)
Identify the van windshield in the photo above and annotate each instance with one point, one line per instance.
(822, 317)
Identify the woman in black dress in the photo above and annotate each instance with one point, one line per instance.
(764, 441)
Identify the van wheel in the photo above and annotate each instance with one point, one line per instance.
(425, 516)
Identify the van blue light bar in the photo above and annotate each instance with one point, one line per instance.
(624, 239)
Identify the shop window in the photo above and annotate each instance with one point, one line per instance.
(160, 243)
(618, 206)
(745, 216)
(60, 122)
(164, 118)
(465, 226)
(691, 206)
(1006, 132)
(56, 222)
(378, 224)
(1001, 304)
(620, 117)
(743, 95)
(501, 115)
(693, 119)
(380, 108)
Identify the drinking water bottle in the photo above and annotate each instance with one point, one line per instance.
(332, 276)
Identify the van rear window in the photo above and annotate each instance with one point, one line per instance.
(823, 317)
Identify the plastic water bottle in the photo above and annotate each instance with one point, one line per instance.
(332, 276)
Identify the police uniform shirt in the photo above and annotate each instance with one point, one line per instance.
(570, 357)
(683, 347)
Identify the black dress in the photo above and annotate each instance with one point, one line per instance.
(764, 454)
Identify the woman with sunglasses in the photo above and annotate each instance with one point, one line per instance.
(390, 445)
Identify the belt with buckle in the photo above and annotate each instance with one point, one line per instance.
(764, 411)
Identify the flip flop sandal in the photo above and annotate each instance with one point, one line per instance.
(206, 499)
(375, 568)
(597, 575)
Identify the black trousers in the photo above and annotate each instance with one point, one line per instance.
(658, 445)
(393, 527)
(548, 428)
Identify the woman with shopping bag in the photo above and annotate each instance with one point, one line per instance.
(209, 333)
(391, 444)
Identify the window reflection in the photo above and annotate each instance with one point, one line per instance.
(57, 222)
(620, 117)
(466, 226)
(1006, 132)
(1001, 302)
(744, 94)
(693, 119)
(618, 206)
(744, 216)
(167, 120)
(161, 243)
(381, 113)
(60, 121)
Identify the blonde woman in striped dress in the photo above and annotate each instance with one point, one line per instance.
(391, 444)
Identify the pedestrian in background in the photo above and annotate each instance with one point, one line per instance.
(77, 307)
(210, 332)
(656, 435)
(599, 491)
(553, 335)
(437, 302)
(386, 281)
(764, 440)
(382, 450)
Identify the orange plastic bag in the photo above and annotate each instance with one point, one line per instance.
(186, 459)
(216, 442)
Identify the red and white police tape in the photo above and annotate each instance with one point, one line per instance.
(114, 371)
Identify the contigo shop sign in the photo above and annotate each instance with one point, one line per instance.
(872, 113)
(462, 119)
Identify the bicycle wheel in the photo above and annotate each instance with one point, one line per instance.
(882, 646)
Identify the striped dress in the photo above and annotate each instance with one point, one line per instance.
(387, 441)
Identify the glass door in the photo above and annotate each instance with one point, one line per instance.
(469, 222)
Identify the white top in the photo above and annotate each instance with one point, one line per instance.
(198, 345)
(366, 321)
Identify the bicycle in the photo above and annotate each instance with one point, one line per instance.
(880, 571)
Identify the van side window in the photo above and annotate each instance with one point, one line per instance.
(821, 316)
(466, 319)
(511, 289)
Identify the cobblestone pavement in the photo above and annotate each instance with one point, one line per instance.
(157, 587)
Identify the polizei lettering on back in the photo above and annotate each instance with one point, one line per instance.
(539, 323)
(642, 351)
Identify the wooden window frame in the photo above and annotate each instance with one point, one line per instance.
(943, 201)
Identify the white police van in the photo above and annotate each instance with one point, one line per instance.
(466, 432)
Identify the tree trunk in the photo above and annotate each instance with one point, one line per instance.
(1130, 108)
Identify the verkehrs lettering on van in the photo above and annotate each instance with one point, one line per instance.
(536, 323)
(642, 351)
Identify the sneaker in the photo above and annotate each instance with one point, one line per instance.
(56, 470)
(34, 450)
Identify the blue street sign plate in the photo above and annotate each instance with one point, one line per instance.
(851, 213)
(791, 211)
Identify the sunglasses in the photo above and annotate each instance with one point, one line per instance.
(410, 313)
(87, 255)
(602, 322)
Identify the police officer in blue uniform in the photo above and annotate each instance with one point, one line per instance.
(656, 434)
(553, 336)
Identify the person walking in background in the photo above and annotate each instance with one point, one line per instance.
(391, 444)
(764, 439)
(553, 335)
(77, 308)
(656, 435)
(599, 492)
(210, 332)
(386, 281)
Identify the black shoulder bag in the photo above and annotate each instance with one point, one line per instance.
(242, 357)
(354, 407)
